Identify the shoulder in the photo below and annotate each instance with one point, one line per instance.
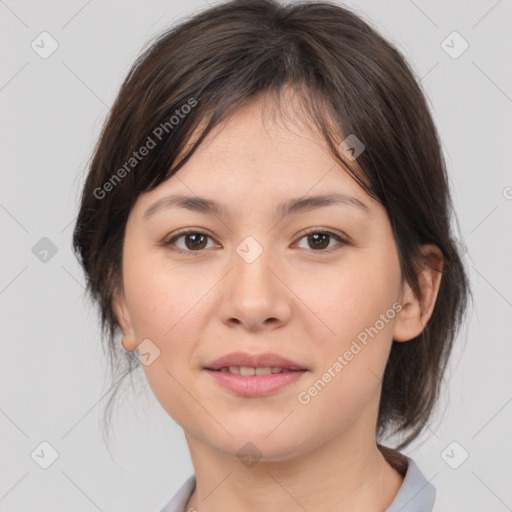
(179, 500)
(416, 494)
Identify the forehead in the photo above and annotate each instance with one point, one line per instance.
(278, 122)
(260, 158)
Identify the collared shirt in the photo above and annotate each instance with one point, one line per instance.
(416, 494)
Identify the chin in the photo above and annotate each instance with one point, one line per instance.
(260, 448)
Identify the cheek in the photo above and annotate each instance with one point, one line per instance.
(165, 307)
(352, 298)
(351, 362)
(161, 299)
(356, 305)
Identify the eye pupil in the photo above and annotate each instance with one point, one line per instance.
(197, 239)
(316, 237)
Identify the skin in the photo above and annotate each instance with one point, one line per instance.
(305, 303)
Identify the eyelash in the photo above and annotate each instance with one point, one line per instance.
(182, 232)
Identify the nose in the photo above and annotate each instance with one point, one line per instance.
(254, 295)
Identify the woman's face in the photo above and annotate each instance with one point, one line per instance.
(249, 278)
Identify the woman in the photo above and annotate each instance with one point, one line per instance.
(266, 223)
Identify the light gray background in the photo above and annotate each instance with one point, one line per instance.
(52, 365)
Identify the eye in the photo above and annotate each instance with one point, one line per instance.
(319, 239)
(194, 240)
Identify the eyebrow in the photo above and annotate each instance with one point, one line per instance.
(291, 207)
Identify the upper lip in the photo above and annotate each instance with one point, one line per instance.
(253, 360)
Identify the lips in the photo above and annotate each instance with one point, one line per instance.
(264, 360)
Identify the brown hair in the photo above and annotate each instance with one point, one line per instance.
(350, 80)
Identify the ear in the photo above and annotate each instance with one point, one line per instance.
(123, 317)
(416, 311)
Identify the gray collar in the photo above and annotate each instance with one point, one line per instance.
(416, 494)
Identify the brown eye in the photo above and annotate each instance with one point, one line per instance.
(320, 240)
(197, 241)
(194, 241)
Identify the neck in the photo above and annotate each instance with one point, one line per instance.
(356, 478)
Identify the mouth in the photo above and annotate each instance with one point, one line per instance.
(252, 375)
(248, 371)
(254, 382)
(245, 363)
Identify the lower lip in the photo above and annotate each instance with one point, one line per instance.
(255, 385)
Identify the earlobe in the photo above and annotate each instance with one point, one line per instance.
(123, 317)
(417, 310)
